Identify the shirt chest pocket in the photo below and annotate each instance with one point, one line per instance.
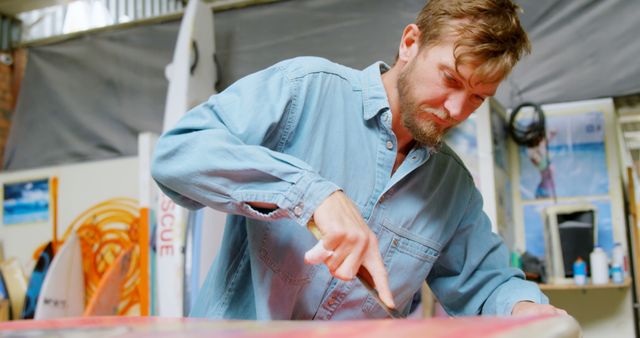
(408, 261)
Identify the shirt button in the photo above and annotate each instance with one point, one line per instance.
(395, 242)
(413, 157)
(389, 145)
(297, 210)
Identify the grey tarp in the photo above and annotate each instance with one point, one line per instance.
(582, 49)
(86, 99)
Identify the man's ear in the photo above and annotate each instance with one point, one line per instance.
(409, 45)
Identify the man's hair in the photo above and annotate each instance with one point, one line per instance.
(487, 34)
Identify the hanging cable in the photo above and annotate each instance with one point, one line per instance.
(531, 134)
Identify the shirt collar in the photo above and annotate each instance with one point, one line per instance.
(375, 97)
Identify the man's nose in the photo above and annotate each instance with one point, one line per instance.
(455, 105)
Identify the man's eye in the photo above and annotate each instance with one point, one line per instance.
(479, 98)
(451, 81)
(449, 78)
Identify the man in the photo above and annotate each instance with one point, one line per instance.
(360, 152)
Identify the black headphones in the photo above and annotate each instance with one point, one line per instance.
(531, 134)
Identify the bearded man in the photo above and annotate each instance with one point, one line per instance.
(360, 152)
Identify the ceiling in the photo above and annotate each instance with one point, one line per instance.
(13, 7)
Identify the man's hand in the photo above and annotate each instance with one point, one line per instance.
(526, 308)
(350, 242)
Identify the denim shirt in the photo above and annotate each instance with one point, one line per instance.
(291, 135)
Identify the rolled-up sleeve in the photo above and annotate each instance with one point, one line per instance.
(472, 275)
(227, 152)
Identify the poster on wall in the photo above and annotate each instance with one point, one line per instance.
(534, 226)
(570, 163)
(463, 140)
(25, 202)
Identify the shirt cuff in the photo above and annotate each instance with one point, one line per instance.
(502, 300)
(304, 197)
(298, 202)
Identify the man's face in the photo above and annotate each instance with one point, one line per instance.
(434, 97)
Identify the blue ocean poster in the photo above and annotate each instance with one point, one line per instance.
(570, 163)
(25, 202)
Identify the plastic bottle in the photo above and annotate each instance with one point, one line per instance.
(599, 266)
(618, 258)
(617, 275)
(580, 271)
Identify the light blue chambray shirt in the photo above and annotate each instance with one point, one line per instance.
(291, 135)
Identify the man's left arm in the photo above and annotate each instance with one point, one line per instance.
(472, 276)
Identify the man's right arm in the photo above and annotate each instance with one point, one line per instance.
(225, 153)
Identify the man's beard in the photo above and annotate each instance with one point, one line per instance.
(424, 131)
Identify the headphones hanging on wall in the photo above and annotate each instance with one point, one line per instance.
(531, 134)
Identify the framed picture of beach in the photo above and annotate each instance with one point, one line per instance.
(25, 201)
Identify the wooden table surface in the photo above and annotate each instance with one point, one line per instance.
(477, 327)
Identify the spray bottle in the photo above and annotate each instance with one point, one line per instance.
(580, 272)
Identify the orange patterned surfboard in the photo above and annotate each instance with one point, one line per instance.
(106, 299)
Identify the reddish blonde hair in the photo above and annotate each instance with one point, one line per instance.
(487, 33)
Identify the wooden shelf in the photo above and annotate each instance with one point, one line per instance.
(554, 287)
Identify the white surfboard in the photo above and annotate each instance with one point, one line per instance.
(62, 293)
(192, 73)
(192, 76)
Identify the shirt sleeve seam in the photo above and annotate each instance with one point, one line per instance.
(289, 116)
